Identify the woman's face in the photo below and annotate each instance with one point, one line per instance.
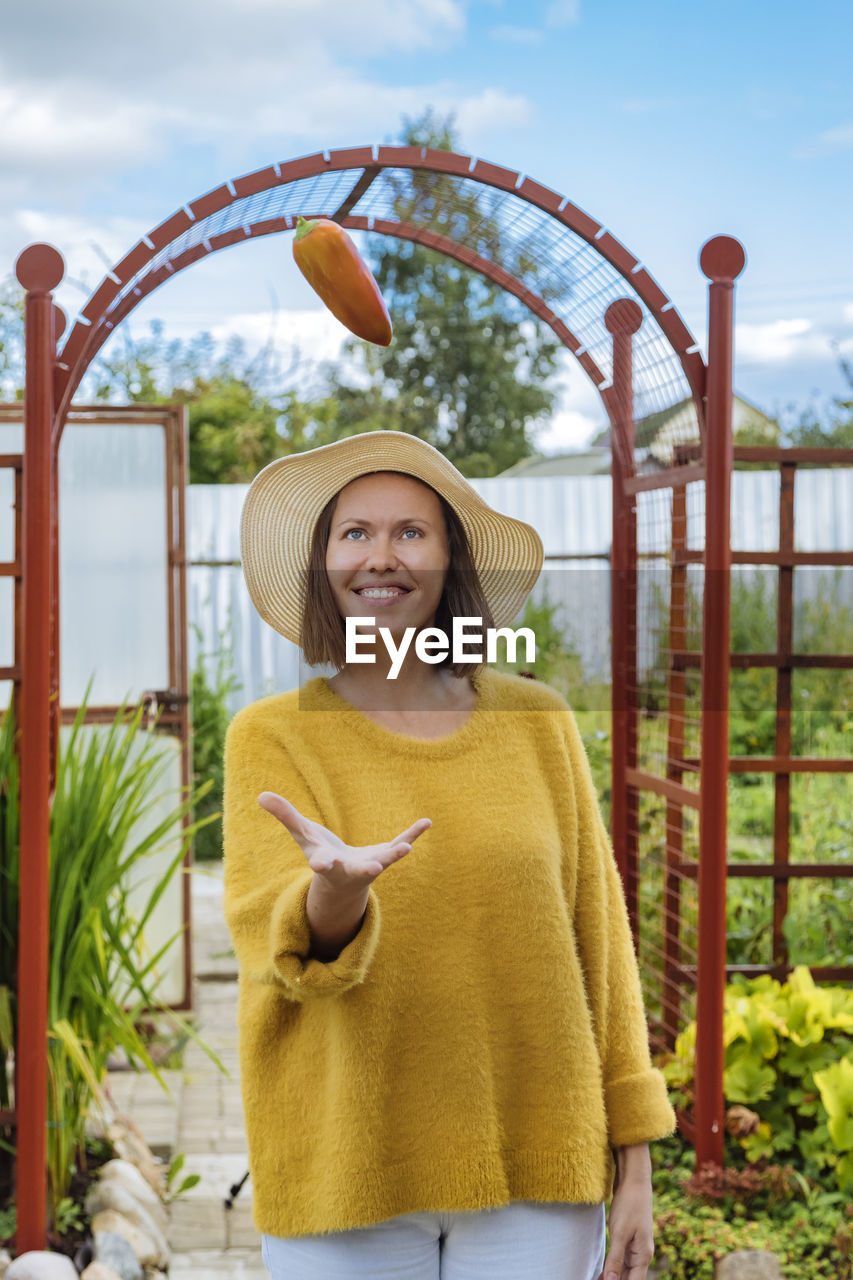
(387, 554)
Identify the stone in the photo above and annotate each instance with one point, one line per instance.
(112, 1193)
(5, 1260)
(41, 1264)
(129, 1144)
(749, 1264)
(148, 1249)
(114, 1251)
(99, 1271)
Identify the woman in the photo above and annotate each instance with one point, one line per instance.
(443, 1044)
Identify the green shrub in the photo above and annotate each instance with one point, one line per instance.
(210, 718)
(789, 1059)
(699, 1220)
(105, 821)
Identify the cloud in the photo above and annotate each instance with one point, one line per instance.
(840, 139)
(492, 109)
(562, 13)
(45, 130)
(568, 429)
(312, 336)
(106, 92)
(517, 35)
(787, 342)
(109, 43)
(88, 248)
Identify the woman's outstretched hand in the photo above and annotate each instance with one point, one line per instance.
(340, 866)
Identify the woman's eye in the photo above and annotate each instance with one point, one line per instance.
(412, 530)
(349, 531)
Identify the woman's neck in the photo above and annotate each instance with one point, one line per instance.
(417, 687)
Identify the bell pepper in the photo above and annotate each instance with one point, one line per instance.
(330, 262)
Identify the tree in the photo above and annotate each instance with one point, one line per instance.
(836, 432)
(237, 424)
(468, 367)
(11, 340)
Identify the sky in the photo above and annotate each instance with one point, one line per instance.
(668, 123)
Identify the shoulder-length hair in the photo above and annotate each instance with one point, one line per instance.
(322, 634)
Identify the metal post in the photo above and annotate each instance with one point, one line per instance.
(39, 269)
(722, 259)
(622, 319)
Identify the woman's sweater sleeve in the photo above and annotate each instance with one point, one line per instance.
(267, 877)
(636, 1101)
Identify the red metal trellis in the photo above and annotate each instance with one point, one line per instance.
(659, 349)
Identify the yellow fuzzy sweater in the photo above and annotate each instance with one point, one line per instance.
(482, 1038)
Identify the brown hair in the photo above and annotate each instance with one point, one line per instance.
(322, 633)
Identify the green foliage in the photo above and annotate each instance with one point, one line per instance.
(832, 428)
(468, 368)
(11, 340)
(237, 409)
(68, 1216)
(210, 718)
(556, 662)
(788, 1057)
(104, 823)
(699, 1220)
(174, 1188)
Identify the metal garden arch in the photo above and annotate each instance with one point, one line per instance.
(624, 331)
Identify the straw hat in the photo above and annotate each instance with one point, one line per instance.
(285, 500)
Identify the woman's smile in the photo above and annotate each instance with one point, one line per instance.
(382, 596)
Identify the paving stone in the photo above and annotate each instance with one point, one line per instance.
(241, 1263)
(205, 1117)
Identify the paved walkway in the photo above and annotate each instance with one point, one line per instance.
(204, 1117)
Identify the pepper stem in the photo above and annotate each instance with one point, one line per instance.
(304, 227)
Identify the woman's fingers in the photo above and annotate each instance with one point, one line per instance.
(328, 853)
(410, 835)
(287, 814)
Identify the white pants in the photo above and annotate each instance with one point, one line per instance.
(523, 1240)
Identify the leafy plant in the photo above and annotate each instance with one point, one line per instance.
(210, 718)
(68, 1216)
(101, 973)
(700, 1219)
(191, 1180)
(789, 1058)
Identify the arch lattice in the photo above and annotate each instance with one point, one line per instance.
(538, 245)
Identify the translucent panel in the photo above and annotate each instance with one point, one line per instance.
(264, 662)
(7, 514)
(696, 515)
(755, 510)
(754, 609)
(147, 873)
(113, 562)
(7, 622)
(11, 437)
(823, 509)
(823, 609)
(654, 521)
